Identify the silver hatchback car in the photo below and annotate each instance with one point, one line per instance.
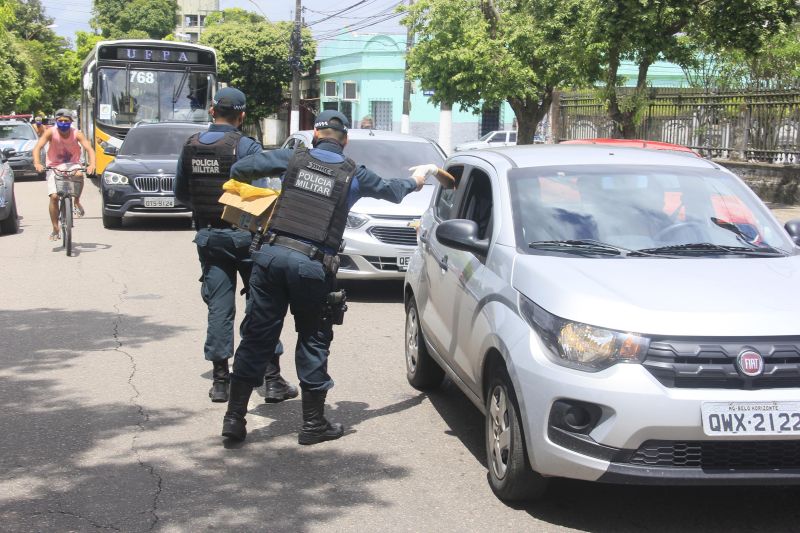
(381, 236)
(618, 315)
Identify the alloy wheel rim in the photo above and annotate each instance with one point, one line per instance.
(412, 341)
(500, 432)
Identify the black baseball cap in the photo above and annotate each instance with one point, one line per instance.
(230, 99)
(323, 121)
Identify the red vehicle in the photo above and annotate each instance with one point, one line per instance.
(635, 143)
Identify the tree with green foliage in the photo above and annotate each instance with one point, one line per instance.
(482, 52)
(31, 68)
(136, 19)
(647, 31)
(253, 56)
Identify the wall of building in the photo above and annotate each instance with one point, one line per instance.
(191, 15)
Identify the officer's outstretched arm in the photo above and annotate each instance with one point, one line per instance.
(373, 186)
(269, 163)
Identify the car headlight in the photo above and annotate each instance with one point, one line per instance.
(29, 153)
(581, 346)
(112, 178)
(354, 220)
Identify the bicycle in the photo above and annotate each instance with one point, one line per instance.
(69, 185)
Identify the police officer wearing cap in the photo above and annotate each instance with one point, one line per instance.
(295, 268)
(224, 251)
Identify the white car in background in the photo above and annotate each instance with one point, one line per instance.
(493, 139)
(381, 236)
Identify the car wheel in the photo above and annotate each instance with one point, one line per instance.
(510, 473)
(422, 371)
(110, 222)
(11, 224)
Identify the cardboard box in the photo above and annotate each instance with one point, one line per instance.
(249, 214)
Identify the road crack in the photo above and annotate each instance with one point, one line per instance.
(144, 416)
(89, 520)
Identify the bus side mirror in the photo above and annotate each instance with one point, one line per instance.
(108, 149)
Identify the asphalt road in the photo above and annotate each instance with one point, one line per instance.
(105, 421)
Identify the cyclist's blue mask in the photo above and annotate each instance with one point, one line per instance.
(63, 126)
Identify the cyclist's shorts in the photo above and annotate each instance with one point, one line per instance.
(51, 178)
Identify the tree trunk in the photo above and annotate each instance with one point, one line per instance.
(529, 113)
(624, 121)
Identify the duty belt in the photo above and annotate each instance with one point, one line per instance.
(309, 250)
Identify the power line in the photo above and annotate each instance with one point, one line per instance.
(355, 27)
(348, 8)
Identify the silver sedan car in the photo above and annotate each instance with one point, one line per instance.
(381, 236)
(618, 315)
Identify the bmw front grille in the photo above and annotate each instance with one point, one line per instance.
(154, 183)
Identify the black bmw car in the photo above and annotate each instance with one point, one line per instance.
(139, 182)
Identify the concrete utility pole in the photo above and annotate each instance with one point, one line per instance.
(297, 45)
(405, 121)
(446, 127)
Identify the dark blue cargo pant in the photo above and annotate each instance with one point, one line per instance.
(223, 254)
(282, 280)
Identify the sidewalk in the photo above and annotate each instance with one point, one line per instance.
(784, 212)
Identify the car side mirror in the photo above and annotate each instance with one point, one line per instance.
(793, 229)
(109, 150)
(8, 153)
(462, 234)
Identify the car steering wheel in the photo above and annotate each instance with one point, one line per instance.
(669, 230)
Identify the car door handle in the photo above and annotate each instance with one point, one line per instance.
(443, 263)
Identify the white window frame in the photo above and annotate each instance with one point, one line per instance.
(335, 89)
(344, 90)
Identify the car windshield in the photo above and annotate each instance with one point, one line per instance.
(657, 209)
(154, 142)
(392, 159)
(126, 97)
(16, 131)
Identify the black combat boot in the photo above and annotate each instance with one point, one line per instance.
(233, 425)
(219, 388)
(316, 427)
(277, 390)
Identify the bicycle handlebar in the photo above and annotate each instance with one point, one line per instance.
(67, 172)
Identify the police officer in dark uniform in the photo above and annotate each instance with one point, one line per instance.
(296, 266)
(203, 166)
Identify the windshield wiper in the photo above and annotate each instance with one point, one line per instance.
(733, 228)
(179, 89)
(580, 245)
(708, 248)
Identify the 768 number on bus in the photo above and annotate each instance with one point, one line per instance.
(140, 76)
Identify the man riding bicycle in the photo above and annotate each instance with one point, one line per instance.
(64, 149)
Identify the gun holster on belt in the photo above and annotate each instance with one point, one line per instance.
(336, 307)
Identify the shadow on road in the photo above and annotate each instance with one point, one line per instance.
(70, 461)
(616, 508)
(375, 291)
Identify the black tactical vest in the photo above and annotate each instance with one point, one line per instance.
(208, 167)
(313, 200)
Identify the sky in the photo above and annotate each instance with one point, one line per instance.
(73, 15)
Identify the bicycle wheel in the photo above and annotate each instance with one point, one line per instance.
(68, 225)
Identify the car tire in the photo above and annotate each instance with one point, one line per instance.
(10, 225)
(110, 222)
(510, 474)
(422, 372)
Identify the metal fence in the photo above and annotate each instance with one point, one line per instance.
(753, 126)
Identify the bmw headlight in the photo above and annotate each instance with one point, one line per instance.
(581, 346)
(354, 220)
(112, 178)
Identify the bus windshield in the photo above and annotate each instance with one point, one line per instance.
(128, 96)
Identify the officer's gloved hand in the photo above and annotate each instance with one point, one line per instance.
(420, 173)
